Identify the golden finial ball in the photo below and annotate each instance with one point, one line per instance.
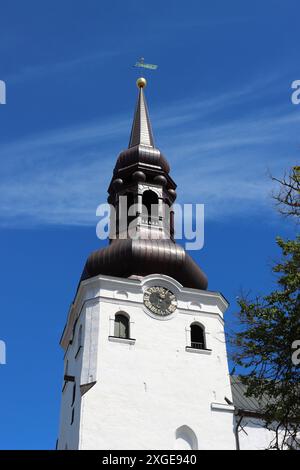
(141, 82)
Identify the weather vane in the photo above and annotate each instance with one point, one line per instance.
(142, 64)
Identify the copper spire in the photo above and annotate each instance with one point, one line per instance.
(154, 250)
(141, 132)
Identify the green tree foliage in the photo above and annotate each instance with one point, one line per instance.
(268, 344)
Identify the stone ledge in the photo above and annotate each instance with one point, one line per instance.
(198, 351)
(222, 407)
(115, 339)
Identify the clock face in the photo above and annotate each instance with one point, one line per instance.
(160, 300)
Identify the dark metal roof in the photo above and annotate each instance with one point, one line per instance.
(143, 155)
(128, 257)
(243, 403)
(141, 147)
(141, 132)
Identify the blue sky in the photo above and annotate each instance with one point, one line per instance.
(221, 112)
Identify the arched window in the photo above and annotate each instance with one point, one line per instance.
(121, 325)
(150, 205)
(197, 336)
(185, 439)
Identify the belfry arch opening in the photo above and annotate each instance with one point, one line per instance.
(150, 206)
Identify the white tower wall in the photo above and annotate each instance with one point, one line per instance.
(148, 391)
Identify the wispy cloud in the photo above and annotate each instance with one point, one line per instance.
(219, 148)
(30, 72)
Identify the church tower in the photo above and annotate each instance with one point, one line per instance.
(145, 363)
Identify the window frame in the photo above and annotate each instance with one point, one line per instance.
(125, 316)
(203, 342)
